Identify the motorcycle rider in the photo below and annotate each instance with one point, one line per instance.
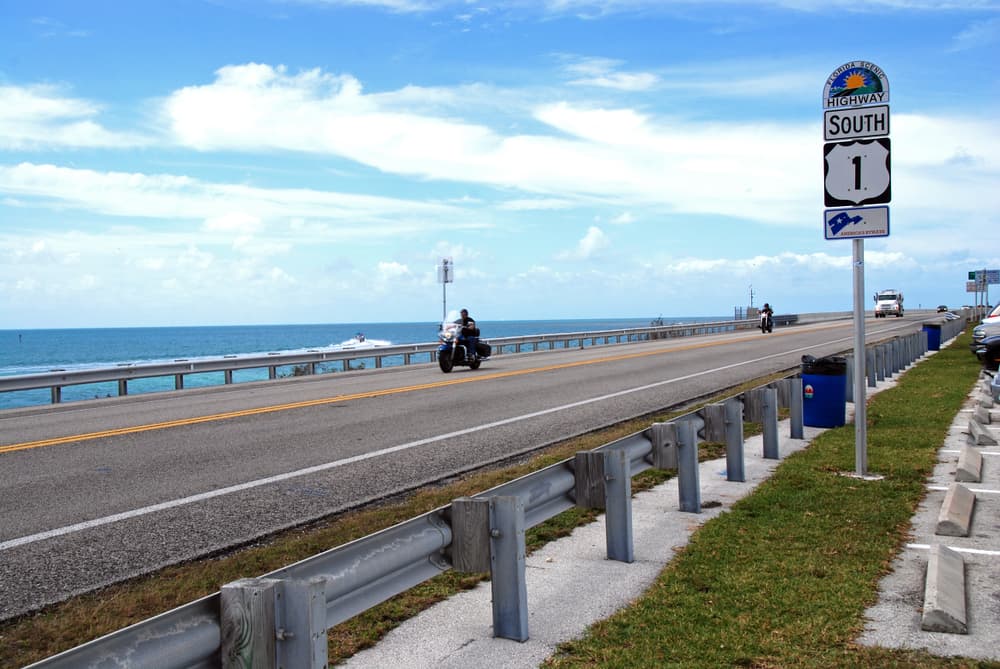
(470, 332)
(768, 313)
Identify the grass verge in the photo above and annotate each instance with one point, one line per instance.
(784, 578)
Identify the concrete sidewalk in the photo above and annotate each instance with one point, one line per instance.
(571, 584)
(894, 622)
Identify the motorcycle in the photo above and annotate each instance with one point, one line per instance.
(454, 349)
(766, 323)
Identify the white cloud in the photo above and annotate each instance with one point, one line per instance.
(592, 244)
(41, 117)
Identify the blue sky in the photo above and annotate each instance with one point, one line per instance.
(203, 162)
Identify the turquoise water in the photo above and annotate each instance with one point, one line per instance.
(39, 351)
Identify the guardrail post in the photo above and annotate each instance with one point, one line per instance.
(508, 581)
(663, 437)
(796, 410)
(688, 481)
(178, 382)
(890, 361)
(56, 394)
(470, 534)
(770, 423)
(753, 405)
(122, 387)
(870, 366)
(714, 416)
(300, 624)
(879, 362)
(246, 609)
(735, 470)
(603, 481)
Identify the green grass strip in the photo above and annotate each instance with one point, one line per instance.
(783, 579)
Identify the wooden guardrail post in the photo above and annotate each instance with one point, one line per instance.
(715, 422)
(247, 621)
(470, 534)
(663, 437)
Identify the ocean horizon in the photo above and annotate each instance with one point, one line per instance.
(36, 351)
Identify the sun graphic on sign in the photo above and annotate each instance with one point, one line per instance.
(855, 79)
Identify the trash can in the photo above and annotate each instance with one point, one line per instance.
(933, 331)
(824, 391)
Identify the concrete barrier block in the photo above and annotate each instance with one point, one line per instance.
(980, 435)
(955, 518)
(981, 415)
(944, 593)
(970, 466)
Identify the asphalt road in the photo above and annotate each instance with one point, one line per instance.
(99, 491)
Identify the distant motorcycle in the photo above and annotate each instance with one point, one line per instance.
(454, 349)
(766, 323)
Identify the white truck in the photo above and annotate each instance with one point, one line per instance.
(888, 303)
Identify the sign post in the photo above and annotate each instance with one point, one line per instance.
(446, 275)
(856, 174)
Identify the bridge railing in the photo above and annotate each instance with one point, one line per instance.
(313, 361)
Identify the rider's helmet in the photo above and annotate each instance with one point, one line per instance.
(767, 306)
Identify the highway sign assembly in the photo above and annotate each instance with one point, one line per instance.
(858, 222)
(857, 173)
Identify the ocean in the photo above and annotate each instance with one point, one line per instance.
(39, 351)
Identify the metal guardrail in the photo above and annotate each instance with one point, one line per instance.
(309, 361)
(349, 579)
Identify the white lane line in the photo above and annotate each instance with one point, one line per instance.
(971, 551)
(985, 491)
(953, 450)
(164, 506)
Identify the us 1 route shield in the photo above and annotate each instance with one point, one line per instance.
(856, 173)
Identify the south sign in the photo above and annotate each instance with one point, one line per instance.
(856, 123)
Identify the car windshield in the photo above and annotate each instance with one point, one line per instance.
(995, 312)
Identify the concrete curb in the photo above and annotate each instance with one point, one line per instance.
(955, 518)
(944, 593)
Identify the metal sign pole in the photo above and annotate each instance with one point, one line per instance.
(860, 409)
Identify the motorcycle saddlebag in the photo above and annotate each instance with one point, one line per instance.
(483, 349)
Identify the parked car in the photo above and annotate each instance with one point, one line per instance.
(988, 352)
(990, 327)
(942, 308)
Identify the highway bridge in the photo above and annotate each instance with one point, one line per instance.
(95, 492)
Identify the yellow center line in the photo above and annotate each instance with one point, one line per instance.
(136, 429)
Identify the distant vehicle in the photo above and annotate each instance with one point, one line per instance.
(942, 308)
(888, 303)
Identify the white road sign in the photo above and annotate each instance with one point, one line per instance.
(856, 123)
(856, 173)
(856, 222)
